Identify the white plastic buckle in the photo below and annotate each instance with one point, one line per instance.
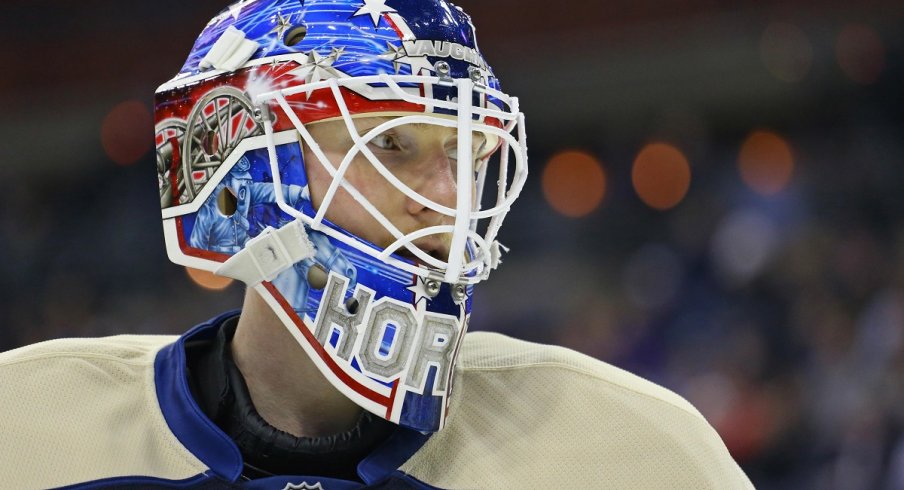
(268, 254)
(231, 51)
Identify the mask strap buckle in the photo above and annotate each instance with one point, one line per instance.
(268, 254)
(231, 51)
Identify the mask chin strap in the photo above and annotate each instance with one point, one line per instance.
(268, 254)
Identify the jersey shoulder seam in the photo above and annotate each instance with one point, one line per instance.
(594, 375)
(138, 354)
(80, 355)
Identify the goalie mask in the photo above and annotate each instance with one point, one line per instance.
(281, 120)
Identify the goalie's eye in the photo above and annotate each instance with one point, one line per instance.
(478, 149)
(385, 142)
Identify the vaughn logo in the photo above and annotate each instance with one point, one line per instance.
(445, 49)
(416, 340)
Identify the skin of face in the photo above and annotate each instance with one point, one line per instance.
(423, 156)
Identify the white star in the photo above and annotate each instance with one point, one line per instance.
(282, 24)
(394, 53)
(317, 67)
(236, 9)
(399, 55)
(374, 8)
(419, 288)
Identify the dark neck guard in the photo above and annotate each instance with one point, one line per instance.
(221, 392)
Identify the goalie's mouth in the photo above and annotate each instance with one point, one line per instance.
(433, 247)
(408, 255)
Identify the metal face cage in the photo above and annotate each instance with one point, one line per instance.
(474, 250)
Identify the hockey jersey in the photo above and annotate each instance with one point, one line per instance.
(117, 412)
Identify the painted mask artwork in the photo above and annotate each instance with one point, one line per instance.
(382, 321)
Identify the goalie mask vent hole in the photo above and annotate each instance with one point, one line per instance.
(226, 202)
(317, 277)
(295, 35)
(352, 306)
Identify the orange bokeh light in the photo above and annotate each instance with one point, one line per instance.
(574, 183)
(766, 162)
(127, 132)
(860, 53)
(661, 176)
(208, 280)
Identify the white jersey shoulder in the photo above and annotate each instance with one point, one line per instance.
(86, 409)
(527, 415)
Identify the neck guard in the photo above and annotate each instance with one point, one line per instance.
(221, 392)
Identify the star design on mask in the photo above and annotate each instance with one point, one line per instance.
(282, 25)
(375, 9)
(399, 55)
(394, 53)
(318, 67)
(235, 10)
(419, 288)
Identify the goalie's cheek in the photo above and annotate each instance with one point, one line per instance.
(343, 210)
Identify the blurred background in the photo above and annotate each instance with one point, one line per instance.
(715, 203)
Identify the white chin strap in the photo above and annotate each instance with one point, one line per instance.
(268, 254)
